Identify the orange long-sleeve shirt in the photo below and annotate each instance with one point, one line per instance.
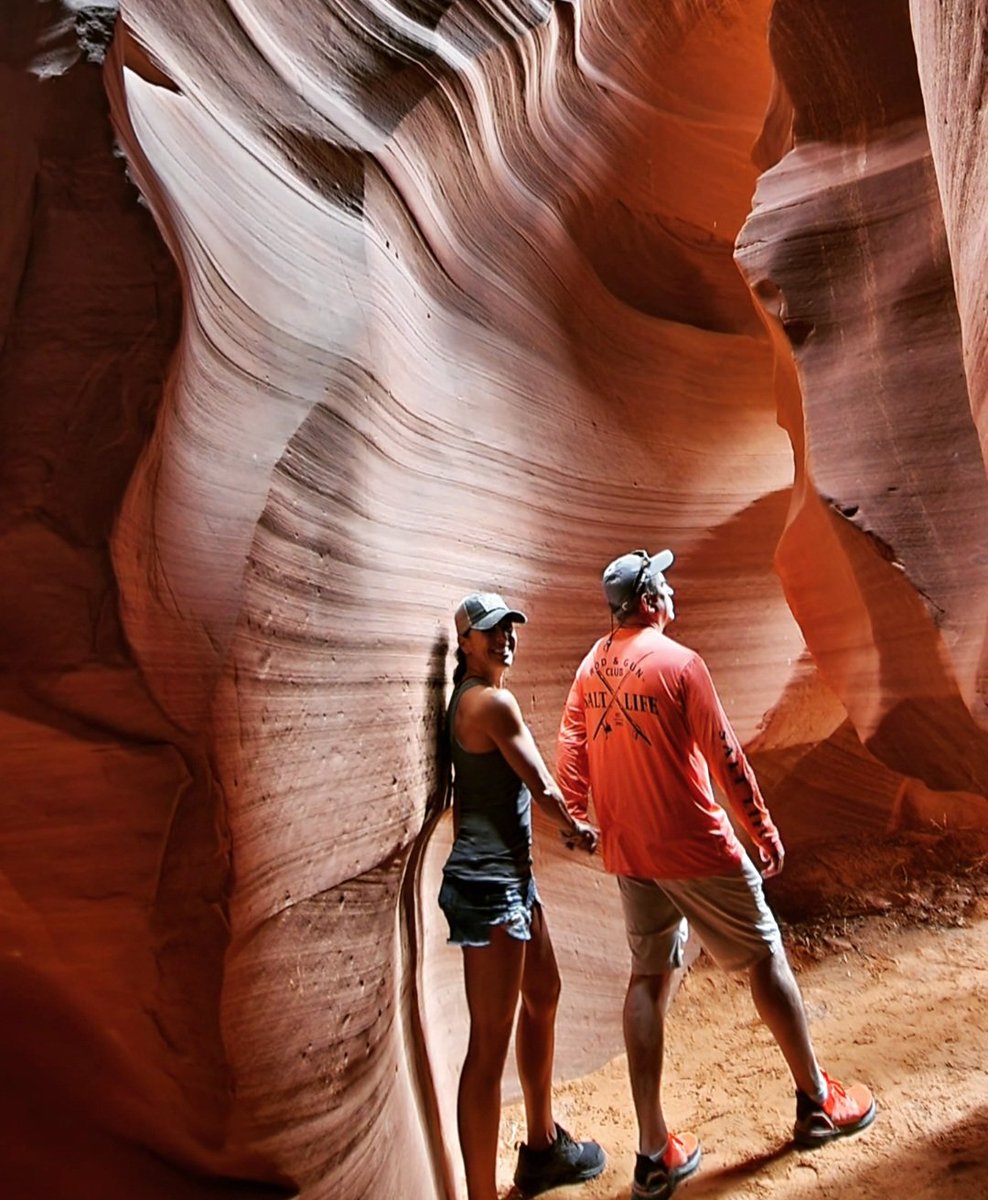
(642, 725)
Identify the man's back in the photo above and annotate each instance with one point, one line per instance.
(641, 724)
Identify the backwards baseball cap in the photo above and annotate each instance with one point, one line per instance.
(625, 578)
(484, 610)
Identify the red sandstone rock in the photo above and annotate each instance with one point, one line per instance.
(459, 308)
(883, 557)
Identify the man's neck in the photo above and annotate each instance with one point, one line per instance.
(640, 621)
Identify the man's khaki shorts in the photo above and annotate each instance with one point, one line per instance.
(727, 913)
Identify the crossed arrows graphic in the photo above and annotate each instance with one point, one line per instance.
(614, 694)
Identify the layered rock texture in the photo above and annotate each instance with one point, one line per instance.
(315, 316)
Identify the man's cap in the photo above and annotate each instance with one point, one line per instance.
(484, 610)
(624, 578)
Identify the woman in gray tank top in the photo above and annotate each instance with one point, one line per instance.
(494, 912)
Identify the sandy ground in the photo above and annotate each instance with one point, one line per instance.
(897, 1000)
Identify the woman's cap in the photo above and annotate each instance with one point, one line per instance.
(484, 610)
(625, 577)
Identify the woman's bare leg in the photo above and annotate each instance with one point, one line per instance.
(535, 1038)
(493, 976)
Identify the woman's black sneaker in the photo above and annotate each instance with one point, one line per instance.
(565, 1161)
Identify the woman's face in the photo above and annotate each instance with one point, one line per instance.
(491, 648)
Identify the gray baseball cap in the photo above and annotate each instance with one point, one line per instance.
(624, 577)
(484, 610)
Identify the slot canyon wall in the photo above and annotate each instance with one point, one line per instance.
(315, 316)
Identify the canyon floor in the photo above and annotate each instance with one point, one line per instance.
(898, 999)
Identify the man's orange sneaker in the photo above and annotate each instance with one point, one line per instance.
(658, 1180)
(845, 1110)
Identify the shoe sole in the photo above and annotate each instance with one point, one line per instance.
(676, 1177)
(812, 1141)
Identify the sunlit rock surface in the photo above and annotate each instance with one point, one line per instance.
(438, 297)
(885, 554)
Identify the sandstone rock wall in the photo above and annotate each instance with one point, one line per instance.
(443, 296)
(883, 556)
(113, 865)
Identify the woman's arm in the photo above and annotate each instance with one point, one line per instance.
(499, 716)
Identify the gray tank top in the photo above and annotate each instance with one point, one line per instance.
(494, 836)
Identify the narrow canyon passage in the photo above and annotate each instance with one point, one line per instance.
(315, 316)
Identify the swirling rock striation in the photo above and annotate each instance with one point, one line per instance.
(460, 307)
(884, 554)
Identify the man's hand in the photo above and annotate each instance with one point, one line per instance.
(773, 856)
(583, 835)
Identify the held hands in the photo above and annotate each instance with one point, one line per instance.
(582, 836)
(773, 856)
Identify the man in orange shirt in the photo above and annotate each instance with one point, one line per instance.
(643, 729)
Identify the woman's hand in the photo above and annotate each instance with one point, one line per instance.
(582, 835)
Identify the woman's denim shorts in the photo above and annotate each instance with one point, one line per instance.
(472, 908)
